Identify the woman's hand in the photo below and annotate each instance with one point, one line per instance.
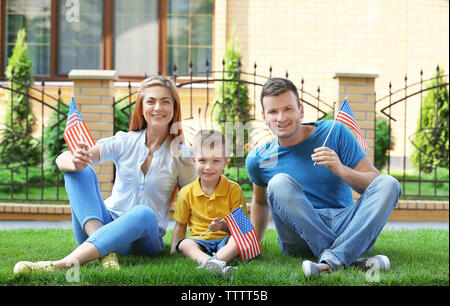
(218, 225)
(81, 158)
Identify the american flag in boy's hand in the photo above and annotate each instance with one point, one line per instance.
(76, 129)
(244, 234)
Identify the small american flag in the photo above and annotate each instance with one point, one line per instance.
(346, 116)
(244, 234)
(76, 129)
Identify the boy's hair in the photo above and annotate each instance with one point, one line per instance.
(277, 86)
(210, 139)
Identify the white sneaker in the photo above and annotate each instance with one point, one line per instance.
(214, 265)
(228, 272)
(381, 262)
(218, 266)
(311, 268)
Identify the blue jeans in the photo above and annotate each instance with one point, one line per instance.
(336, 236)
(212, 246)
(134, 232)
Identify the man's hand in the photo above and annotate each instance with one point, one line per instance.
(324, 156)
(358, 178)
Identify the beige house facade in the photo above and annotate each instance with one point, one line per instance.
(315, 41)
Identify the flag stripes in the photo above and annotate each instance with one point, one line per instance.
(244, 234)
(76, 129)
(349, 121)
(72, 120)
(346, 116)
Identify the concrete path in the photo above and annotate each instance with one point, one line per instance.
(8, 225)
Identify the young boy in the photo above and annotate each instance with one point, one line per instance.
(204, 203)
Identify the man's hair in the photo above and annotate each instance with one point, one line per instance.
(210, 139)
(277, 86)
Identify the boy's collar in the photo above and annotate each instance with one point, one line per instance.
(221, 189)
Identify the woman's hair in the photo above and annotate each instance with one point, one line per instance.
(138, 122)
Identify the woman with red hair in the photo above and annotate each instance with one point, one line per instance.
(151, 162)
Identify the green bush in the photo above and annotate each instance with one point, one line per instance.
(232, 102)
(18, 146)
(431, 141)
(232, 96)
(382, 144)
(54, 137)
(121, 119)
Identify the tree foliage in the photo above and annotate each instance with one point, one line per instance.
(54, 137)
(18, 146)
(431, 141)
(383, 142)
(231, 96)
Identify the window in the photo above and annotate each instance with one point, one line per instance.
(79, 35)
(189, 34)
(34, 17)
(134, 37)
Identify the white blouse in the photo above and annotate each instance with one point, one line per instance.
(131, 187)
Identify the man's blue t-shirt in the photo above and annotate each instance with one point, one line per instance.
(321, 186)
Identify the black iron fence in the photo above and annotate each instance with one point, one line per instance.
(26, 173)
(421, 164)
(28, 147)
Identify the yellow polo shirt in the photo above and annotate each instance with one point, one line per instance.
(197, 210)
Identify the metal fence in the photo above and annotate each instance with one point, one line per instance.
(423, 172)
(26, 172)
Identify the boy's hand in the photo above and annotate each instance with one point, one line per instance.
(218, 225)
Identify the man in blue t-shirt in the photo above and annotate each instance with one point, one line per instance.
(308, 187)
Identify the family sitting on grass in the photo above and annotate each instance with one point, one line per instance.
(306, 187)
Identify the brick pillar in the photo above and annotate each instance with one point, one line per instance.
(220, 33)
(93, 93)
(359, 88)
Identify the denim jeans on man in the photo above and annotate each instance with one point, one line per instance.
(336, 236)
(134, 232)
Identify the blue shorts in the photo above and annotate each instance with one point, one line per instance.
(211, 246)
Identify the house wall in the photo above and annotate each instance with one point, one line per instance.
(314, 39)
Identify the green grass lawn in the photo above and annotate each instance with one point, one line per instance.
(30, 194)
(410, 190)
(418, 257)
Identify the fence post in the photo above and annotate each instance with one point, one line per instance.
(359, 88)
(94, 95)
